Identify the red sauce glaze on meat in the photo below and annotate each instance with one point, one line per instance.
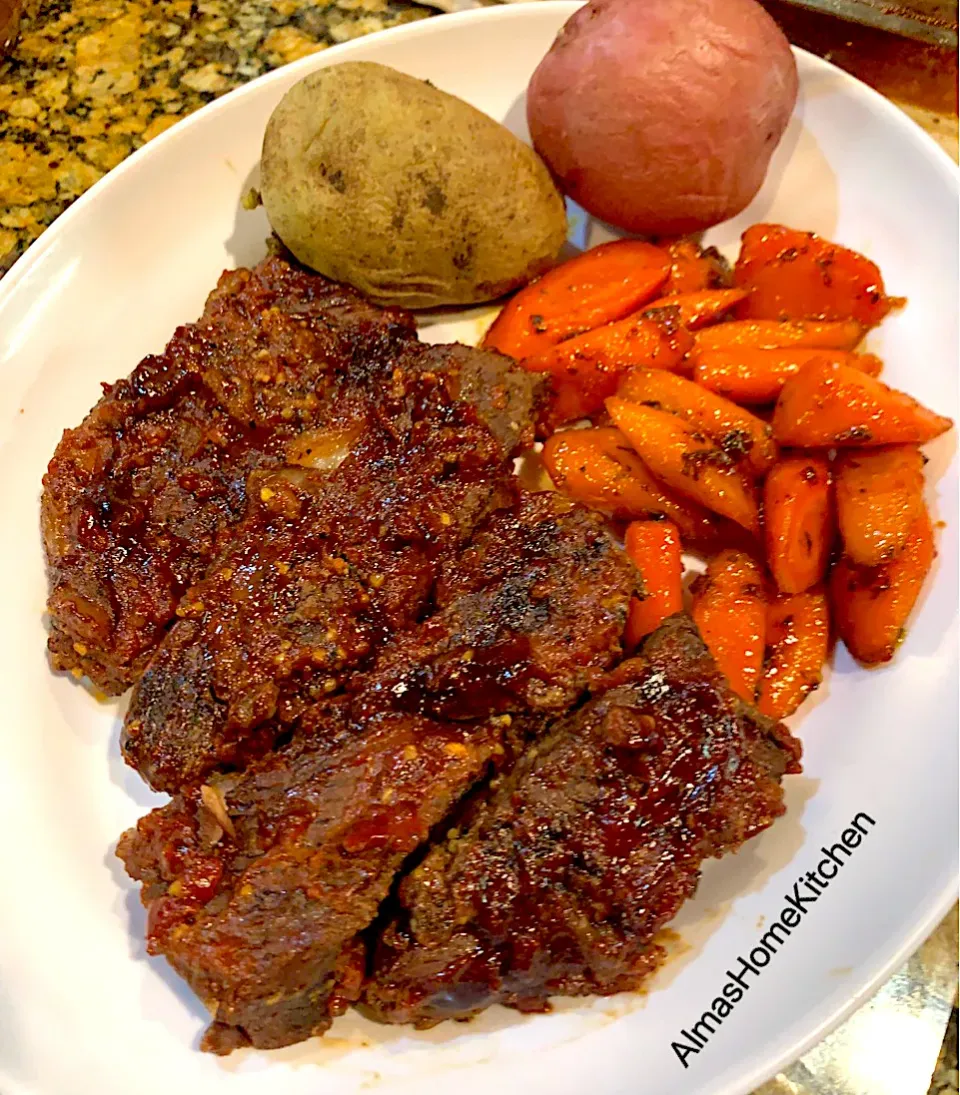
(136, 498)
(593, 842)
(322, 570)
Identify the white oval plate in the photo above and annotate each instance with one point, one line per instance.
(84, 1012)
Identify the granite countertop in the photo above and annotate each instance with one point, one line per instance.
(90, 81)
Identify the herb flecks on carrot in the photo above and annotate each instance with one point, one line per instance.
(700, 308)
(592, 363)
(798, 517)
(800, 276)
(770, 334)
(827, 405)
(744, 437)
(756, 377)
(693, 268)
(686, 460)
(598, 287)
(871, 605)
(879, 496)
(798, 642)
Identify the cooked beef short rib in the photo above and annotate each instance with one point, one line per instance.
(321, 571)
(526, 614)
(282, 367)
(136, 497)
(588, 847)
(258, 900)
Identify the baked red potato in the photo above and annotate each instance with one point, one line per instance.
(660, 116)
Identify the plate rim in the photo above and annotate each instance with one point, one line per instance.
(767, 1064)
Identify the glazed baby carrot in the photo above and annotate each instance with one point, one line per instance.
(798, 518)
(827, 405)
(565, 403)
(700, 308)
(743, 436)
(799, 275)
(692, 268)
(879, 494)
(798, 642)
(730, 611)
(599, 286)
(758, 376)
(599, 468)
(685, 460)
(770, 334)
(871, 605)
(654, 548)
(591, 363)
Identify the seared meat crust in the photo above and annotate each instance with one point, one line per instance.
(283, 367)
(136, 498)
(526, 614)
(257, 902)
(321, 571)
(588, 847)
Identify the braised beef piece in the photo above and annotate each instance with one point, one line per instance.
(258, 884)
(322, 570)
(281, 368)
(136, 497)
(588, 847)
(535, 604)
(260, 911)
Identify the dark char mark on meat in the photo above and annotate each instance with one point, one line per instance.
(587, 848)
(532, 608)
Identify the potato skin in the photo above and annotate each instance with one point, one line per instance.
(660, 116)
(379, 180)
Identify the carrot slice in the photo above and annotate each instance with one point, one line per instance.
(599, 468)
(798, 642)
(758, 376)
(693, 268)
(599, 286)
(799, 275)
(871, 605)
(743, 436)
(730, 611)
(698, 309)
(686, 461)
(654, 547)
(591, 363)
(565, 403)
(879, 495)
(827, 405)
(799, 521)
(769, 334)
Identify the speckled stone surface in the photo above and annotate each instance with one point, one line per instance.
(91, 80)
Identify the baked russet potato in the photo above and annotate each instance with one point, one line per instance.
(411, 195)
